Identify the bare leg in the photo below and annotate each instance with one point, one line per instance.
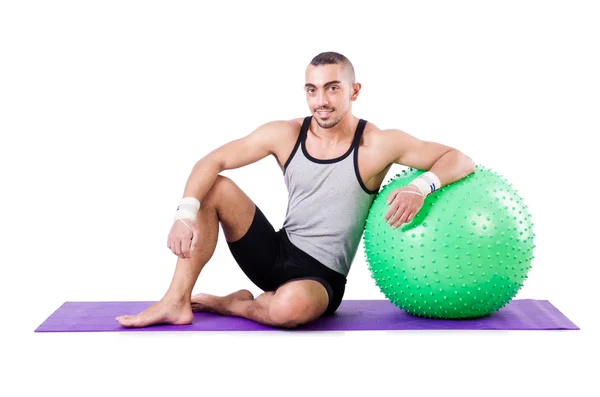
(225, 203)
(293, 304)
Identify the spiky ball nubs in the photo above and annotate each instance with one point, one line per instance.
(465, 254)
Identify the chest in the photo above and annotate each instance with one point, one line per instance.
(323, 151)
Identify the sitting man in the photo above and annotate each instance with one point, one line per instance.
(333, 164)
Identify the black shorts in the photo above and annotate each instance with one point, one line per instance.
(269, 259)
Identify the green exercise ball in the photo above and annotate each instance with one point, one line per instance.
(465, 254)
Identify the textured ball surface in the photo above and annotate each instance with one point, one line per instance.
(465, 254)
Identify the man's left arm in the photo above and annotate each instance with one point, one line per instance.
(448, 164)
(443, 165)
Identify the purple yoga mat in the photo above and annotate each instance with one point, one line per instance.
(352, 315)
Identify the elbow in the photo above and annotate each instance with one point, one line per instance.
(464, 165)
(211, 163)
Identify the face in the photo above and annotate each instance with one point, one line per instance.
(329, 93)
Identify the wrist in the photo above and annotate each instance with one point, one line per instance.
(427, 183)
(188, 209)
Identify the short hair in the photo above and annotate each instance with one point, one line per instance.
(333, 58)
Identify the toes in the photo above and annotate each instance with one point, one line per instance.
(129, 321)
(133, 322)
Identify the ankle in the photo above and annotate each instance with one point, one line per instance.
(176, 298)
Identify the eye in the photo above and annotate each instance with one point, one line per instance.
(333, 88)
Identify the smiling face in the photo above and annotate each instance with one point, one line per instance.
(330, 90)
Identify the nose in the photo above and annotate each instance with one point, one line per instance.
(322, 100)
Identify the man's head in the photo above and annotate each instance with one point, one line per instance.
(330, 88)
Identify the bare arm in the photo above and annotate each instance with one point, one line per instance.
(447, 163)
(235, 154)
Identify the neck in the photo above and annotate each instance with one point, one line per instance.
(340, 132)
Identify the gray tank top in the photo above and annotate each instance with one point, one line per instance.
(328, 202)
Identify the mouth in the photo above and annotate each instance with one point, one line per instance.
(323, 113)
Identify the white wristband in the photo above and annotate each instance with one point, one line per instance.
(188, 209)
(427, 183)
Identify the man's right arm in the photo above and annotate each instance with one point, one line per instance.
(235, 154)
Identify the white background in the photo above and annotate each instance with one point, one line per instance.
(105, 107)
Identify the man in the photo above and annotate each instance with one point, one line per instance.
(333, 165)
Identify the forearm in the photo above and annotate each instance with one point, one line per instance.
(202, 177)
(449, 168)
(452, 167)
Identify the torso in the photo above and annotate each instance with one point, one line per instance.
(372, 167)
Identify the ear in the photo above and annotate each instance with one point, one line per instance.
(355, 90)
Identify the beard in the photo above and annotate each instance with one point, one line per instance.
(329, 123)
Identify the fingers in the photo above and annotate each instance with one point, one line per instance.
(178, 248)
(187, 247)
(403, 208)
(394, 206)
(175, 246)
(402, 219)
(400, 213)
(194, 241)
(188, 243)
(406, 216)
(183, 238)
(391, 212)
(392, 197)
(185, 250)
(395, 212)
(398, 217)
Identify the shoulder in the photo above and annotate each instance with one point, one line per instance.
(297, 122)
(276, 136)
(375, 137)
(278, 129)
(387, 146)
(385, 140)
(291, 125)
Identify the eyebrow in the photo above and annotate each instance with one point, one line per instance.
(324, 85)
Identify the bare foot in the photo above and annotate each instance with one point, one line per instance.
(162, 312)
(219, 304)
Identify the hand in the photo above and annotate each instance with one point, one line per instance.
(183, 238)
(404, 204)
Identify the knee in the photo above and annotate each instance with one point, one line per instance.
(219, 188)
(290, 311)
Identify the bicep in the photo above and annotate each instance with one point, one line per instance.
(412, 152)
(247, 150)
